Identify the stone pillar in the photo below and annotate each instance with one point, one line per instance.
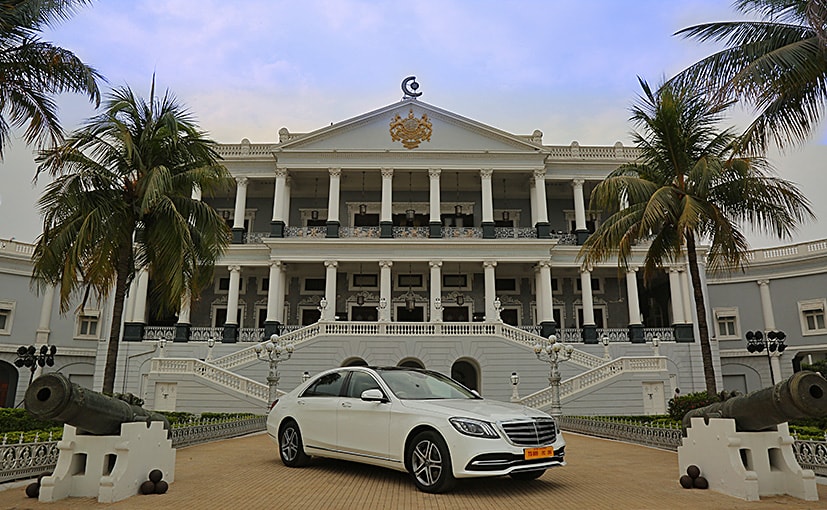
(489, 269)
(231, 326)
(274, 289)
(487, 205)
(542, 226)
(588, 326)
(436, 290)
(240, 208)
(532, 199)
(277, 223)
(285, 211)
(333, 203)
(545, 313)
(579, 212)
(682, 327)
(134, 331)
(435, 221)
(329, 312)
(769, 325)
(635, 325)
(182, 327)
(386, 216)
(385, 290)
(196, 192)
(44, 324)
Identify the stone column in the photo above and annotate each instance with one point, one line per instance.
(196, 192)
(386, 216)
(231, 326)
(545, 312)
(240, 208)
(635, 325)
(489, 269)
(688, 296)
(588, 326)
(766, 304)
(532, 199)
(680, 323)
(329, 312)
(274, 289)
(487, 204)
(436, 290)
(385, 290)
(333, 203)
(285, 211)
(579, 211)
(134, 331)
(44, 324)
(435, 221)
(277, 223)
(542, 226)
(182, 327)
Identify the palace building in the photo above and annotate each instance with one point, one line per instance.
(408, 235)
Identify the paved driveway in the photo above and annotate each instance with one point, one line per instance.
(245, 474)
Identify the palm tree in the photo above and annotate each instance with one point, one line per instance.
(121, 200)
(32, 71)
(689, 187)
(777, 64)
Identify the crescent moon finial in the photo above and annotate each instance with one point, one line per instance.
(409, 88)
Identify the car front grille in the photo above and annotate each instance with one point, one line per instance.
(536, 432)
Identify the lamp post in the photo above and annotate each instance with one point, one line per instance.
(605, 341)
(498, 305)
(305, 376)
(554, 353)
(773, 342)
(162, 342)
(273, 352)
(210, 345)
(515, 381)
(656, 345)
(32, 358)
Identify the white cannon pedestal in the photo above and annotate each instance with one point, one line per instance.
(746, 465)
(109, 467)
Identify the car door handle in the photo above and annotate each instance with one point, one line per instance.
(347, 404)
(301, 402)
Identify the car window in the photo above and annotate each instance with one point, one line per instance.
(328, 385)
(360, 382)
(419, 385)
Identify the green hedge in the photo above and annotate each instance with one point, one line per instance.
(14, 419)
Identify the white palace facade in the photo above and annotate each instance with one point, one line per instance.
(411, 235)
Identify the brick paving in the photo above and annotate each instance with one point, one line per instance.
(245, 474)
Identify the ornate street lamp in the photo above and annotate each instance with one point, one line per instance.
(554, 353)
(498, 305)
(515, 381)
(274, 352)
(772, 342)
(32, 358)
(305, 376)
(210, 345)
(605, 341)
(437, 303)
(162, 342)
(656, 345)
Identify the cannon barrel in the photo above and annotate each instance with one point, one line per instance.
(53, 397)
(804, 395)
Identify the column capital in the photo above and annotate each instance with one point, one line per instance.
(435, 263)
(543, 263)
(234, 269)
(763, 283)
(385, 263)
(276, 263)
(586, 268)
(331, 263)
(434, 173)
(539, 174)
(241, 182)
(334, 172)
(675, 269)
(486, 173)
(489, 263)
(578, 183)
(281, 172)
(631, 270)
(387, 173)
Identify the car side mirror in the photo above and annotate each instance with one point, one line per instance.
(373, 395)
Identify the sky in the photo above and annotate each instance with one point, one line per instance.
(248, 68)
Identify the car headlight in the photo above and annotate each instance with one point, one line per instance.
(474, 428)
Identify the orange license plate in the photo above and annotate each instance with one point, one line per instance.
(538, 453)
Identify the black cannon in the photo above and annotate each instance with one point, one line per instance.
(53, 397)
(804, 395)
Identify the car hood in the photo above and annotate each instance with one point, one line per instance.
(489, 410)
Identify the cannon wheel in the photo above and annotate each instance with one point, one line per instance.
(291, 447)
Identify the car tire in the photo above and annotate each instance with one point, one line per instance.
(429, 462)
(528, 475)
(291, 448)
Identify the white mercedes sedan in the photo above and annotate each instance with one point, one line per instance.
(413, 420)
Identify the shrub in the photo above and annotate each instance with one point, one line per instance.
(13, 419)
(819, 366)
(176, 417)
(226, 416)
(682, 404)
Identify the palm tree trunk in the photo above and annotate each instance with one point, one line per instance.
(700, 311)
(111, 363)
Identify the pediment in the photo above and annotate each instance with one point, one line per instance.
(419, 127)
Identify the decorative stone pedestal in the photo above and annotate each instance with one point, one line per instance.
(109, 467)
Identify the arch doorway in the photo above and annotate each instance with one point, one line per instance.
(8, 384)
(411, 363)
(355, 362)
(466, 373)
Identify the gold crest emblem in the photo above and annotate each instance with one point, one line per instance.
(410, 130)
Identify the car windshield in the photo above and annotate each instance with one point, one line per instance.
(423, 385)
